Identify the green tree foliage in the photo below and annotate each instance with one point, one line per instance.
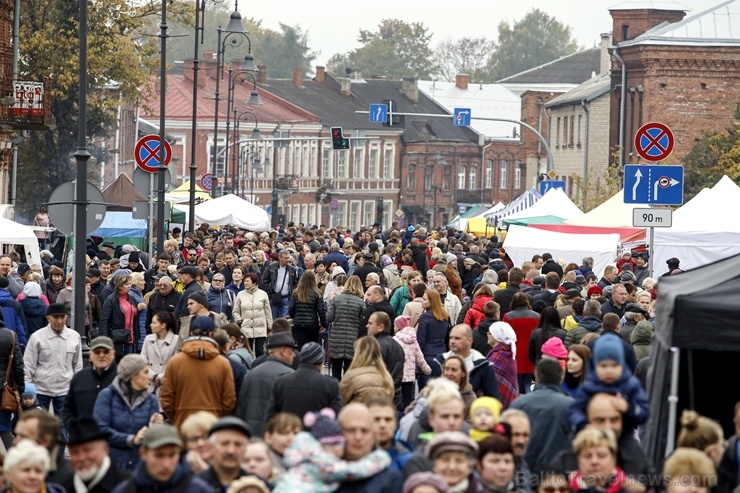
(281, 51)
(396, 49)
(712, 156)
(532, 41)
(465, 56)
(120, 61)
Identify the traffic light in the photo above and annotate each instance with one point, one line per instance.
(338, 141)
(393, 118)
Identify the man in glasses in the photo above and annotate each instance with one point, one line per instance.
(163, 298)
(88, 382)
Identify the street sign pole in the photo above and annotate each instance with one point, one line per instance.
(150, 222)
(656, 217)
(650, 251)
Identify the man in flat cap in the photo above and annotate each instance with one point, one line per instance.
(88, 454)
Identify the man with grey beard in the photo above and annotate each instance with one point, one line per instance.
(88, 456)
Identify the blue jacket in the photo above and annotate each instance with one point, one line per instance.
(122, 421)
(34, 309)
(339, 258)
(628, 386)
(181, 482)
(387, 481)
(13, 315)
(482, 377)
(221, 301)
(431, 334)
(139, 298)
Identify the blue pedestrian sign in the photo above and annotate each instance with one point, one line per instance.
(546, 185)
(378, 113)
(653, 184)
(461, 117)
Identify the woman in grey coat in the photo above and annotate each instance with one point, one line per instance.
(345, 312)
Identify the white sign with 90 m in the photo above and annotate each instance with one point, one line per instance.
(652, 218)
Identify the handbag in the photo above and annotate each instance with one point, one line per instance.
(11, 402)
(276, 299)
(120, 335)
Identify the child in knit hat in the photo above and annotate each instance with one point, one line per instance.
(484, 415)
(313, 461)
(608, 373)
(29, 397)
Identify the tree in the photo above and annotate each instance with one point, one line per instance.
(712, 156)
(396, 50)
(280, 51)
(534, 40)
(120, 61)
(465, 56)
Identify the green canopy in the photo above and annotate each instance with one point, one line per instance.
(526, 221)
(474, 211)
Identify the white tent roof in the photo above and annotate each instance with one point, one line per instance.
(701, 232)
(554, 203)
(18, 234)
(525, 200)
(230, 209)
(521, 243)
(613, 213)
(498, 207)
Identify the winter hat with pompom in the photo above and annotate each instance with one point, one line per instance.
(323, 427)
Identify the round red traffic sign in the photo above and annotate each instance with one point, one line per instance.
(146, 153)
(206, 181)
(654, 141)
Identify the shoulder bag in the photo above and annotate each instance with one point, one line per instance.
(11, 402)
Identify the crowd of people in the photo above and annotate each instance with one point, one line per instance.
(314, 359)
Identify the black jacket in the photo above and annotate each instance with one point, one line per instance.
(503, 297)
(727, 471)
(366, 269)
(209, 476)
(421, 261)
(113, 318)
(480, 336)
(6, 343)
(112, 478)
(269, 278)
(310, 314)
(305, 390)
(383, 306)
(84, 388)
(394, 357)
(551, 266)
(158, 303)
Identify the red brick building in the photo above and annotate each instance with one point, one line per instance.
(685, 74)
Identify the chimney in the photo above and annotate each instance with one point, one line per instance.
(262, 75)
(297, 77)
(410, 89)
(461, 81)
(346, 89)
(320, 74)
(187, 70)
(628, 23)
(605, 63)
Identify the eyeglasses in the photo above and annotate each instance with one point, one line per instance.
(196, 438)
(219, 280)
(101, 351)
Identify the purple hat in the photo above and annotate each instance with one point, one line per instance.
(323, 427)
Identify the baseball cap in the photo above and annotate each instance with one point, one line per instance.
(161, 435)
(101, 342)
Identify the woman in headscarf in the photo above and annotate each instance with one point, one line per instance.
(502, 339)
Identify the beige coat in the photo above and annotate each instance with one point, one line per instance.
(218, 318)
(252, 312)
(363, 384)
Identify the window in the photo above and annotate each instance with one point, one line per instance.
(504, 179)
(341, 214)
(473, 179)
(580, 121)
(372, 169)
(358, 165)
(428, 177)
(220, 164)
(388, 163)
(304, 213)
(311, 214)
(557, 133)
(314, 157)
(518, 176)
(387, 209)
(342, 164)
(572, 124)
(411, 177)
(461, 174)
(565, 131)
(296, 211)
(354, 216)
(305, 161)
(368, 216)
(326, 163)
(488, 175)
(447, 178)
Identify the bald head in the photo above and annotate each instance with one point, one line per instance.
(357, 426)
(602, 414)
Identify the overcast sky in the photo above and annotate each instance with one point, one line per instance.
(333, 26)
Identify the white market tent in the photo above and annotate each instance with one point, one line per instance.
(230, 209)
(498, 207)
(613, 213)
(525, 200)
(18, 234)
(554, 203)
(521, 243)
(703, 230)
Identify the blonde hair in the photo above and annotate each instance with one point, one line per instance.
(442, 394)
(698, 431)
(353, 285)
(196, 423)
(591, 437)
(171, 242)
(136, 277)
(690, 462)
(367, 353)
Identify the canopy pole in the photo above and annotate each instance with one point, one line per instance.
(690, 368)
(673, 402)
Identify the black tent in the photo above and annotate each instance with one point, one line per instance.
(695, 353)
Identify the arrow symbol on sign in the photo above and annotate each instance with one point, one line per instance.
(674, 182)
(379, 113)
(638, 176)
(655, 190)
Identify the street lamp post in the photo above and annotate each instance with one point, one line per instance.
(255, 136)
(254, 100)
(248, 65)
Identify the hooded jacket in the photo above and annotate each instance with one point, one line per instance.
(197, 379)
(413, 356)
(587, 325)
(345, 312)
(482, 377)
(475, 313)
(13, 315)
(642, 339)
(34, 310)
(221, 301)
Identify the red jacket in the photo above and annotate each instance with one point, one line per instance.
(475, 313)
(523, 321)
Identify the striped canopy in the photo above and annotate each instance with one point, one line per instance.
(522, 202)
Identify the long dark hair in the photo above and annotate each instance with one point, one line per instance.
(549, 318)
(167, 318)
